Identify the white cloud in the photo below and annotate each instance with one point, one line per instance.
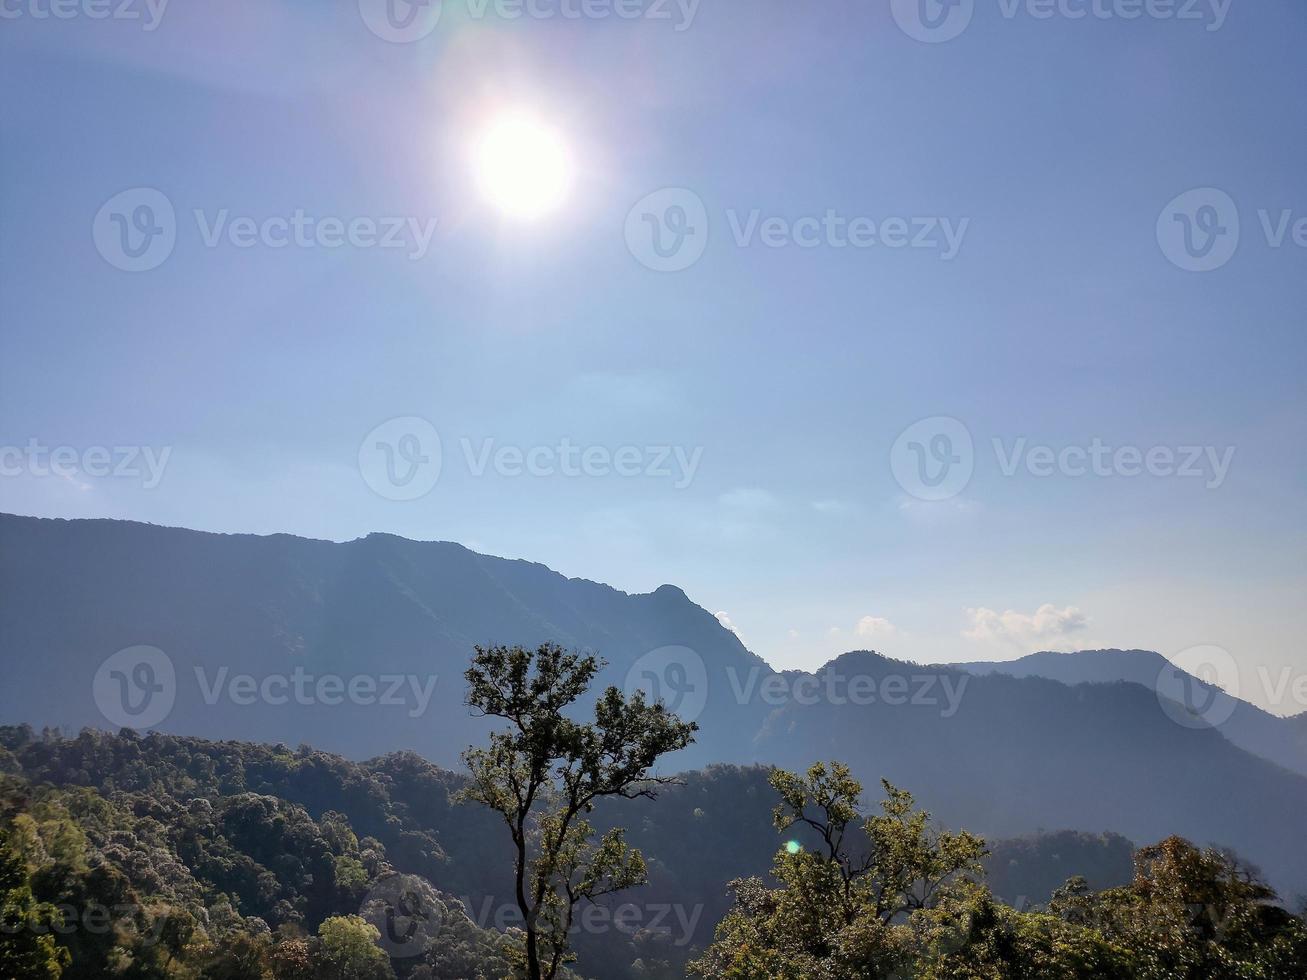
(867, 628)
(874, 627)
(724, 618)
(1046, 628)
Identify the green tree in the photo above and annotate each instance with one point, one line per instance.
(348, 949)
(544, 773)
(27, 948)
(1192, 914)
(970, 935)
(842, 911)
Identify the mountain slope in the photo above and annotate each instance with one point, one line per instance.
(383, 608)
(1280, 740)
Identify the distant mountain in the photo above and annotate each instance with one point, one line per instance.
(1282, 740)
(238, 617)
(380, 610)
(1022, 754)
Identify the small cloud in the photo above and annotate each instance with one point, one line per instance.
(874, 627)
(793, 634)
(1047, 627)
(935, 512)
(724, 618)
(83, 487)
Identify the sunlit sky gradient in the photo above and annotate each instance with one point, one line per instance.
(794, 369)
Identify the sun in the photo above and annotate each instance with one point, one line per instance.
(522, 165)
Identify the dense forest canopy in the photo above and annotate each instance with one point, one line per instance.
(164, 856)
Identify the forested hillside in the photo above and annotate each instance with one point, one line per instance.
(217, 853)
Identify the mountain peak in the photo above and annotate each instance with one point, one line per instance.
(670, 592)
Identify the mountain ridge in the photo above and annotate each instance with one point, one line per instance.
(1282, 740)
(232, 613)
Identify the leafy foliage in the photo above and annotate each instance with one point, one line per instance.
(911, 903)
(544, 774)
(163, 856)
(172, 867)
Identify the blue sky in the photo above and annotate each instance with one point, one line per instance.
(1052, 144)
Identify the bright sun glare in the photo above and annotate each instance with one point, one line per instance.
(522, 166)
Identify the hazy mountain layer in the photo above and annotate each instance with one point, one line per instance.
(1282, 740)
(242, 619)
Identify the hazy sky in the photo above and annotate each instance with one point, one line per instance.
(714, 387)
